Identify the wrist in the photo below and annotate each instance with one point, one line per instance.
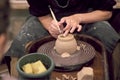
(78, 17)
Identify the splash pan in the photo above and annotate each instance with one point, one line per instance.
(73, 62)
(85, 54)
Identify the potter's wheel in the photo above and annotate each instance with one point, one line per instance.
(80, 57)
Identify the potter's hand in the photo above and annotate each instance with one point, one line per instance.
(72, 23)
(53, 29)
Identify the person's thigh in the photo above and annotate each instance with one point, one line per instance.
(31, 30)
(104, 32)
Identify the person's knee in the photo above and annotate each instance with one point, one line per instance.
(33, 28)
(102, 25)
(105, 33)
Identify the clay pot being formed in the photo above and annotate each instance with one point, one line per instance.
(65, 44)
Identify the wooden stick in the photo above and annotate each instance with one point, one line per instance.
(53, 15)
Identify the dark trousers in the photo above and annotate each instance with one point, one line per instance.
(33, 29)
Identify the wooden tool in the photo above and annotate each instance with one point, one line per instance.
(53, 15)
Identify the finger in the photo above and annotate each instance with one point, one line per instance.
(66, 32)
(61, 27)
(54, 34)
(55, 24)
(74, 26)
(72, 30)
(79, 28)
(52, 31)
(53, 27)
(68, 26)
(55, 30)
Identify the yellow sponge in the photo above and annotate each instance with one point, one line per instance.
(27, 68)
(38, 67)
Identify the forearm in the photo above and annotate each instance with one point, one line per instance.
(45, 20)
(94, 16)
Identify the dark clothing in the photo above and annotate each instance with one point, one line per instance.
(40, 7)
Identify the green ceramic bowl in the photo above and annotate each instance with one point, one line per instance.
(29, 58)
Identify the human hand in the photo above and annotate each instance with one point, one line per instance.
(72, 23)
(53, 29)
